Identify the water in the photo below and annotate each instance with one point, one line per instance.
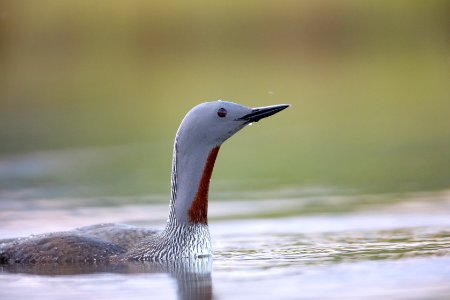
(392, 247)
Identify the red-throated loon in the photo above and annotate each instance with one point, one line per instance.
(186, 235)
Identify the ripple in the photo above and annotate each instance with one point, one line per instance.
(269, 251)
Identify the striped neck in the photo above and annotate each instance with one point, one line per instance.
(192, 168)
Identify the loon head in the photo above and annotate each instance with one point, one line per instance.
(204, 128)
(211, 123)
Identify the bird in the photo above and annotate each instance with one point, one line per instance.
(186, 235)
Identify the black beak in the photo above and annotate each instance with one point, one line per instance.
(262, 112)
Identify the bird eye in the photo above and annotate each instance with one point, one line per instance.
(222, 112)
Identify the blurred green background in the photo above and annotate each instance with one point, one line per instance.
(92, 92)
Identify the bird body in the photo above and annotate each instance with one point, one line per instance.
(186, 235)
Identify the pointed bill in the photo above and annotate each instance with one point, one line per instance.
(262, 112)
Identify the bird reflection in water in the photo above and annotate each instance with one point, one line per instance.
(192, 276)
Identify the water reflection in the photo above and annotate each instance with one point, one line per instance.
(193, 277)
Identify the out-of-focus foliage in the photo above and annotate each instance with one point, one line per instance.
(368, 81)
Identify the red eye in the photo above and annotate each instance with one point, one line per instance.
(222, 112)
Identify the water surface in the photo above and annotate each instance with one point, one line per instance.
(380, 249)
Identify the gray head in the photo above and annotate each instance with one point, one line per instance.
(211, 123)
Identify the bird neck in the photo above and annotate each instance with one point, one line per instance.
(192, 168)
